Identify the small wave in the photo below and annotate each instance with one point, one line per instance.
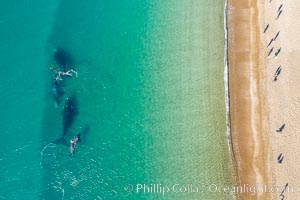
(21, 148)
(226, 79)
(63, 193)
(42, 152)
(226, 86)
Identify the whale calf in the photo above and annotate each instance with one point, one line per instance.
(57, 92)
(70, 111)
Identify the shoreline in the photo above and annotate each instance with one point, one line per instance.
(226, 86)
(227, 100)
(246, 105)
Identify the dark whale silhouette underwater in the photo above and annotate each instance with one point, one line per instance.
(69, 113)
(57, 92)
(62, 58)
(64, 61)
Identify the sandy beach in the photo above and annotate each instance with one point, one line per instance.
(259, 105)
(282, 97)
(246, 110)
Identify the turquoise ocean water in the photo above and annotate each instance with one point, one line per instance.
(150, 96)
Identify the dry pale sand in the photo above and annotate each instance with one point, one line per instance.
(282, 98)
(259, 105)
(246, 100)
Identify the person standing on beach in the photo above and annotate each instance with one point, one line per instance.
(280, 158)
(279, 9)
(270, 42)
(270, 51)
(266, 28)
(279, 14)
(277, 52)
(280, 129)
(277, 34)
(278, 71)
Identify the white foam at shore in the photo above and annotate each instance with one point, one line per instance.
(226, 86)
(226, 79)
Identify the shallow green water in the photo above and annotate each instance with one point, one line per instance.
(149, 88)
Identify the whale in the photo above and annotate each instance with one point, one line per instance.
(57, 92)
(83, 132)
(62, 58)
(69, 113)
